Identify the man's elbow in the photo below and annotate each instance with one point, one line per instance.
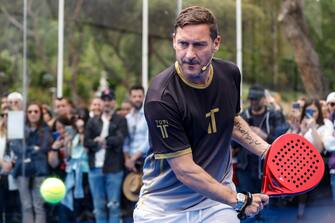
(183, 177)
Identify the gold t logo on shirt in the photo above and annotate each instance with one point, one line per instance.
(212, 123)
(162, 125)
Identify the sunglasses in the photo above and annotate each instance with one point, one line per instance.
(14, 102)
(33, 111)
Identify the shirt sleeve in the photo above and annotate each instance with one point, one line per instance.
(126, 145)
(145, 144)
(237, 80)
(167, 134)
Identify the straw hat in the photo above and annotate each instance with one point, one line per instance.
(132, 186)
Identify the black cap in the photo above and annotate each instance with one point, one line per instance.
(256, 92)
(107, 94)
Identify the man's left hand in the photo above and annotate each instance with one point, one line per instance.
(130, 164)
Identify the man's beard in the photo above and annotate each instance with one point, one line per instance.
(137, 106)
(256, 108)
(108, 110)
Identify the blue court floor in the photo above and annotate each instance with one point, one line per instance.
(319, 209)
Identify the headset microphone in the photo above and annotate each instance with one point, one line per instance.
(205, 67)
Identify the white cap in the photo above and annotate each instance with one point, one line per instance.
(15, 96)
(331, 97)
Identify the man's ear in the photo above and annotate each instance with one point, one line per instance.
(174, 40)
(217, 43)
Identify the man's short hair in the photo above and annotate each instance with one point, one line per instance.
(196, 15)
(136, 87)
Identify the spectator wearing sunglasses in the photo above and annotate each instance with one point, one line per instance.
(31, 166)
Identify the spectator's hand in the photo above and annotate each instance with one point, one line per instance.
(259, 132)
(6, 166)
(306, 124)
(294, 120)
(100, 140)
(130, 165)
(258, 202)
(67, 140)
(57, 144)
(310, 123)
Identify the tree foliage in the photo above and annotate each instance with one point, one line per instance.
(104, 37)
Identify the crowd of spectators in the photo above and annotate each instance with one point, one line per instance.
(99, 152)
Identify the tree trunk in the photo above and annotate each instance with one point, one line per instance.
(75, 48)
(296, 31)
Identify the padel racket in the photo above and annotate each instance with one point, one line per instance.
(292, 166)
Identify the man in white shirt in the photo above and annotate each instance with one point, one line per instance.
(104, 137)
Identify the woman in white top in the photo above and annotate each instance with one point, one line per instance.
(314, 127)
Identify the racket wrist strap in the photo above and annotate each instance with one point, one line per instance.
(263, 155)
(241, 214)
(249, 199)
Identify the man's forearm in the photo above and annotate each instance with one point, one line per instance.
(243, 134)
(136, 156)
(194, 177)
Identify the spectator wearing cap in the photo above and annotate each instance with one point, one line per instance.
(104, 137)
(15, 101)
(331, 106)
(268, 124)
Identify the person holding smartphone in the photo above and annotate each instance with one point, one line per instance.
(316, 129)
(313, 126)
(294, 117)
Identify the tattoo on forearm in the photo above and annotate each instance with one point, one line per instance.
(245, 134)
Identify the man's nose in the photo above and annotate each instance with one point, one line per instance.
(190, 53)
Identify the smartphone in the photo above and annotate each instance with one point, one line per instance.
(55, 135)
(69, 130)
(309, 112)
(295, 105)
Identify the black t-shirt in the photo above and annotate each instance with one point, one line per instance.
(186, 118)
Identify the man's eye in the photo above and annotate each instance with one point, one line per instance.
(183, 44)
(199, 45)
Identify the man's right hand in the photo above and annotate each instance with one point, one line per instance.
(258, 203)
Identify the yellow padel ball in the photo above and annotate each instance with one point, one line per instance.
(52, 190)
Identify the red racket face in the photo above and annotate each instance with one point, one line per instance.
(293, 166)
